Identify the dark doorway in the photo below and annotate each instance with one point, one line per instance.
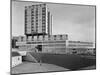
(39, 47)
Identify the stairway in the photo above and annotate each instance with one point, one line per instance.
(37, 56)
(30, 58)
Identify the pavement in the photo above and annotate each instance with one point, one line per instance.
(54, 63)
(29, 67)
(89, 68)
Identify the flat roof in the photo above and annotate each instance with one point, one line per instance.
(15, 54)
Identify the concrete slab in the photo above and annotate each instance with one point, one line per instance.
(29, 67)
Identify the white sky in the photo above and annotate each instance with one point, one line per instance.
(77, 21)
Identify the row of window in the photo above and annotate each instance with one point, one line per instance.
(49, 42)
(43, 17)
(53, 36)
(36, 24)
(32, 17)
(32, 21)
(32, 12)
(80, 45)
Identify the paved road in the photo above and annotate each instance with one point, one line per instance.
(29, 67)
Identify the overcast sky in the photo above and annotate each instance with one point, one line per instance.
(77, 21)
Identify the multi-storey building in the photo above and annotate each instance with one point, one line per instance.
(80, 47)
(38, 20)
(38, 29)
(56, 44)
(47, 43)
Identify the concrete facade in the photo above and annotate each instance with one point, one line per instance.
(48, 43)
(37, 20)
(79, 47)
(16, 59)
(58, 45)
(43, 38)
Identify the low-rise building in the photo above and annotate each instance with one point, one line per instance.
(13, 41)
(47, 43)
(16, 59)
(55, 44)
(80, 47)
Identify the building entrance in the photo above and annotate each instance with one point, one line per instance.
(39, 48)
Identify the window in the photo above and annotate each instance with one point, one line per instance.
(43, 24)
(32, 30)
(43, 8)
(32, 14)
(74, 49)
(43, 30)
(36, 19)
(32, 17)
(43, 20)
(18, 58)
(43, 17)
(25, 24)
(43, 13)
(36, 24)
(37, 14)
(25, 11)
(75, 52)
(32, 21)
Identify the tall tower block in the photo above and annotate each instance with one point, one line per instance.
(37, 20)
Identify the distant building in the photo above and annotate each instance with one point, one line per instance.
(16, 59)
(38, 20)
(80, 47)
(13, 41)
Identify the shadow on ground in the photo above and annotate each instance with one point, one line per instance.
(72, 62)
